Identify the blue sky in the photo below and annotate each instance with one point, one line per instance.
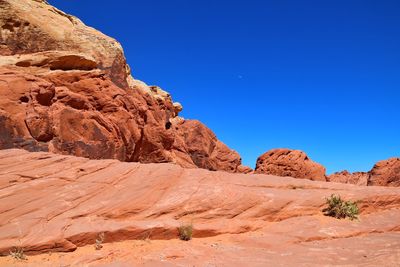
(319, 76)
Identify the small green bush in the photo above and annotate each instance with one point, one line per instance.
(185, 232)
(17, 253)
(341, 209)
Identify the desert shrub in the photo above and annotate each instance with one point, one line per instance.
(99, 241)
(341, 209)
(17, 253)
(146, 236)
(185, 232)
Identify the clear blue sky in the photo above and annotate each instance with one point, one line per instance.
(320, 76)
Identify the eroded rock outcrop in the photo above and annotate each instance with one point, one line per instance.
(287, 162)
(205, 149)
(24, 31)
(295, 163)
(386, 173)
(66, 88)
(358, 178)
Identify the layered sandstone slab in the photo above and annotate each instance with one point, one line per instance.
(58, 203)
(288, 162)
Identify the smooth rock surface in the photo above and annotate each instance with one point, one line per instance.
(58, 203)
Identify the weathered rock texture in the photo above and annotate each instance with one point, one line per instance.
(56, 203)
(384, 173)
(66, 88)
(296, 164)
(287, 162)
(28, 27)
(358, 178)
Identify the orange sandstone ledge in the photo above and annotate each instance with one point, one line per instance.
(56, 203)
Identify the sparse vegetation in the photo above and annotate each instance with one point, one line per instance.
(146, 236)
(341, 209)
(99, 241)
(185, 232)
(17, 253)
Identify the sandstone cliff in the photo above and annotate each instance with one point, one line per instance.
(66, 88)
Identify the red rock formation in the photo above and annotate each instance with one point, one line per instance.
(358, 178)
(204, 149)
(53, 202)
(386, 173)
(65, 88)
(85, 114)
(23, 30)
(293, 163)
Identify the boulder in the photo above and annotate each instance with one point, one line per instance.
(287, 162)
(204, 149)
(386, 173)
(177, 108)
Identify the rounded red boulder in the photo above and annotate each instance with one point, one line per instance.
(287, 162)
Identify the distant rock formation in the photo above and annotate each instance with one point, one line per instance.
(296, 164)
(358, 178)
(384, 173)
(287, 162)
(66, 88)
